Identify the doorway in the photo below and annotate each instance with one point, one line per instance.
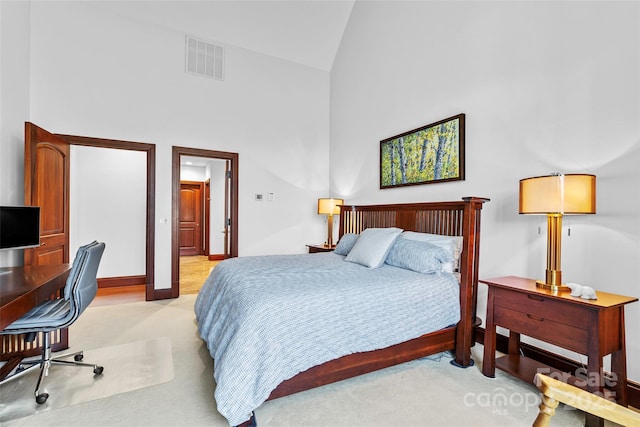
(35, 136)
(181, 237)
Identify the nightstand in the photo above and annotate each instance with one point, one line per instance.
(594, 328)
(314, 249)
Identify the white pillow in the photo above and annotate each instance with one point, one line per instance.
(451, 244)
(372, 246)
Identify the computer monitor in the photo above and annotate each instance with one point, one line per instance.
(19, 227)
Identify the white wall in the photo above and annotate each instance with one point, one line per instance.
(549, 86)
(107, 202)
(193, 173)
(99, 74)
(14, 108)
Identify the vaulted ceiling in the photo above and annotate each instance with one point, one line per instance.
(307, 32)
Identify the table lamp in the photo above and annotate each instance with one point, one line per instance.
(554, 196)
(329, 207)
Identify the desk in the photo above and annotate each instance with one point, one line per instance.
(21, 289)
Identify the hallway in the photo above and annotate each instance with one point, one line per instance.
(194, 270)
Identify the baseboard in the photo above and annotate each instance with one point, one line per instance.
(150, 293)
(554, 360)
(167, 293)
(110, 282)
(217, 257)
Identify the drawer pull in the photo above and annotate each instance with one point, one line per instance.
(535, 297)
(532, 317)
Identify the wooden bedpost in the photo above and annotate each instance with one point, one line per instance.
(468, 279)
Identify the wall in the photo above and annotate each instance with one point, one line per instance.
(193, 173)
(548, 86)
(14, 108)
(96, 73)
(107, 202)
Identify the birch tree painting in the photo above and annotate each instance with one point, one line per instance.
(429, 154)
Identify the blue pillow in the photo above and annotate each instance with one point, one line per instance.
(372, 246)
(451, 244)
(345, 244)
(415, 255)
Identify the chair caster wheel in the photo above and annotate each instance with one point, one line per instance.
(78, 357)
(98, 370)
(41, 398)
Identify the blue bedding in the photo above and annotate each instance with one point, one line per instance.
(267, 318)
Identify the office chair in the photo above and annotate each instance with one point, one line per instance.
(51, 315)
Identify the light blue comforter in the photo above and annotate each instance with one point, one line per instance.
(267, 318)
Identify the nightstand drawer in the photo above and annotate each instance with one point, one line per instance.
(558, 311)
(536, 325)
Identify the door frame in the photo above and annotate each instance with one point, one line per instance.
(150, 149)
(233, 159)
(207, 215)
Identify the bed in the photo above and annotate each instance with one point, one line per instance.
(277, 325)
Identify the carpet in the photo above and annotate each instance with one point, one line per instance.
(127, 367)
(421, 393)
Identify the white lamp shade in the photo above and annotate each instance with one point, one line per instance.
(564, 194)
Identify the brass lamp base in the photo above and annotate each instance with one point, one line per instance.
(553, 276)
(551, 287)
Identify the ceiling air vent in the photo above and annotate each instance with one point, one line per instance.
(204, 59)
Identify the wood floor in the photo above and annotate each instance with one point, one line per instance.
(194, 270)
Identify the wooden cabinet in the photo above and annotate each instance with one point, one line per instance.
(594, 328)
(313, 249)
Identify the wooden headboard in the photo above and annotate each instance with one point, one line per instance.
(457, 218)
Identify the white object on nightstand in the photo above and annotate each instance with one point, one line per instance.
(586, 292)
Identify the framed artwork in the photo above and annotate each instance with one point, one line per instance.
(429, 154)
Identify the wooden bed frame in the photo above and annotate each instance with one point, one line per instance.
(460, 218)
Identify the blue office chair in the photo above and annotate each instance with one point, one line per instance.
(55, 314)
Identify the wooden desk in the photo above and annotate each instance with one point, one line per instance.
(21, 289)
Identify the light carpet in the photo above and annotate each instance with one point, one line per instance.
(127, 367)
(425, 392)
